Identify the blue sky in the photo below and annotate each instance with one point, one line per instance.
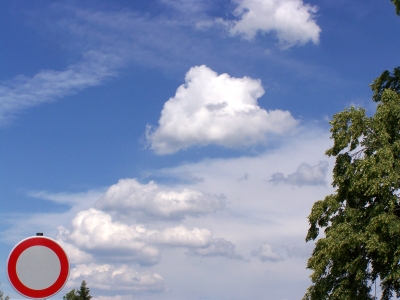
(175, 147)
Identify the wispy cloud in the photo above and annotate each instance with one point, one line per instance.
(68, 198)
(110, 41)
(24, 92)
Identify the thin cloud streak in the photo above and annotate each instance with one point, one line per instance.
(24, 92)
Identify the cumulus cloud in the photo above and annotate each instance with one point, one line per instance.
(199, 242)
(109, 277)
(267, 253)
(75, 255)
(292, 20)
(216, 109)
(129, 197)
(95, 232)
(253, 207)
(304, 175)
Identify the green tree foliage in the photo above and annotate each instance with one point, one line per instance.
(386, 81)
(71, 295)
(397, 5)
(362, 218)
(2, 295)
(82, 294)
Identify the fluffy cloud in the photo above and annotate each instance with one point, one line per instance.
(215, 109)
(199, 242)
(266, 253)
(304, 175)
(75, 255)
(109, 277)
(129, 197)
(257, 211)
(95, 232)
(292, 20)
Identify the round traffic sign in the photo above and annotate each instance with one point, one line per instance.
(37, 267)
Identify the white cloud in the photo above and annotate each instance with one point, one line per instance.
(256, 211)
(199, 242)
(68, 198)
(181, 237)
(259, 210)
(266, 253)
(95, 232)
(292, 20)
(216, 109)
(109, 277)
(305, 175)
(129, 197)
(296, 251)
(188, 7)
(48, 85)
(75, 256)
(116, 297)
(21, 224)
(219, 247)
(109, 41)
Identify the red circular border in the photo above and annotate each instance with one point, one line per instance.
(12, 267)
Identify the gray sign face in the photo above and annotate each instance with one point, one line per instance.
(38, 267)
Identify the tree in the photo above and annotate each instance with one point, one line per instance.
(397, 5)
(386, 81)
(82, 294)
(362, 219)
(71, 295)
(2, 295)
